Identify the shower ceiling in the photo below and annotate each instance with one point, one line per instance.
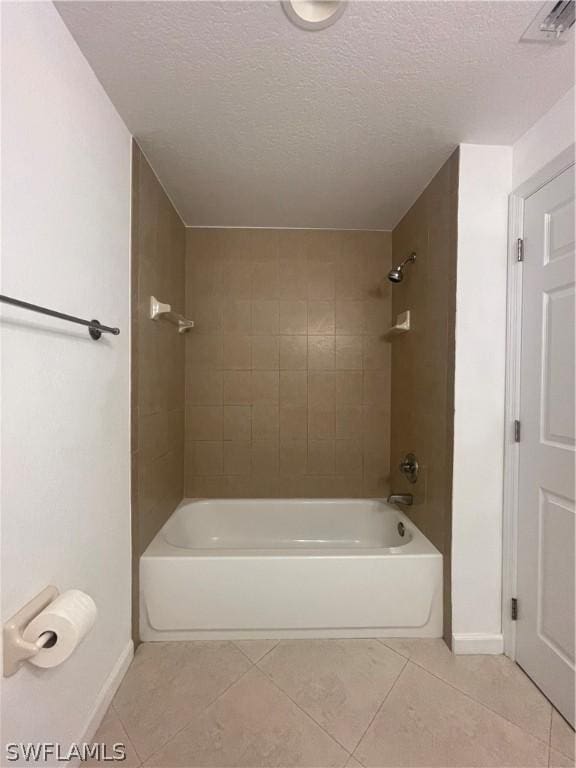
(250, 121)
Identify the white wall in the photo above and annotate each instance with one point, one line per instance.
(546, 139)
(65, 398)
(484, 184)
(487, 176)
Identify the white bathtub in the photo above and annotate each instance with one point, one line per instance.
(289, 568)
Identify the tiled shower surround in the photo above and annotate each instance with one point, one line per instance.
(423, 362)
(287, 373)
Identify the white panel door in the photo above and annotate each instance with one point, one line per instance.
(545, 629)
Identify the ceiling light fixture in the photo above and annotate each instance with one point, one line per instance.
(314, 14)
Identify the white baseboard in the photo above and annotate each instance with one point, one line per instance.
(477, 643)
(107, 692)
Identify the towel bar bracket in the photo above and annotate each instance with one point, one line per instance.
(95, 327)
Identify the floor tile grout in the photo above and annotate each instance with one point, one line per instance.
(379, 709)
(383, 641)
(557, 748)
(255, 663)
(350, 753)
(307, 714)
(550, 737)
(196, 714)
(113, 708)
(481, 703)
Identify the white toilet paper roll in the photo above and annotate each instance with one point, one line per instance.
(70, 617)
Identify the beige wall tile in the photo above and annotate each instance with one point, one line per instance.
(376, 387)
(349, 421)
(237, 280)
(349, 279)
(204, 351)
(293, 422)
(322, 389)
(237, 352)
(265, 353)
(265, 457)
(159, 358)
(349, 459)
(265, 386)
(321, 353)
(265, 421)
(348, 353)
(265, 280)
(293, 457)
(293, 317)
(321, 457)
(321, 317)
(265, 316)
(320, 280)
(422, 385)
(291, 354)
(321, 245)
(293, 278)
(237, 387)
(237, 317)
(375, 418)
(350, 316)
(205, 422)
(237, 422)
(237, 458)
(205, 388)
(321, 423)
(208, 457)
(377, 315)
(205, 277)
(293, 388)
(291, 245)
(376, 486)
(349, 387)
(376, 353)
(376, 454)
(207, 313)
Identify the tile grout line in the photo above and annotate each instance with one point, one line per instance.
(477, 701)
(196, 714)
(306, 714)
(550, 737)
(140, 761)
(254, 663)
(350, 753)
(407, 662)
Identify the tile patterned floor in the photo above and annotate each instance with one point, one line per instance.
(323, 703)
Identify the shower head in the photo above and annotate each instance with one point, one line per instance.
(396, 274)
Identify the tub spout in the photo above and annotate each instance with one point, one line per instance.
(401, 498)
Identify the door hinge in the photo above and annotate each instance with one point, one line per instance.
(516, 431)
(514, 609)
(519, 249)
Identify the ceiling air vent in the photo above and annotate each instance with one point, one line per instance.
(552, 23)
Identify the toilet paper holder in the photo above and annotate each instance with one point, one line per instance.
(16, 650)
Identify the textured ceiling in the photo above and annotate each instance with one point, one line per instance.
(250, 121)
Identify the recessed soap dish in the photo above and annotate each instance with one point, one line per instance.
(402, 325)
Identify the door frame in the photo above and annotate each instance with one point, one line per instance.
(558, 165)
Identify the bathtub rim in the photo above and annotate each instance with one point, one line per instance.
(419, 545)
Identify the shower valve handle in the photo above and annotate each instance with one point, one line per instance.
(409, 467)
